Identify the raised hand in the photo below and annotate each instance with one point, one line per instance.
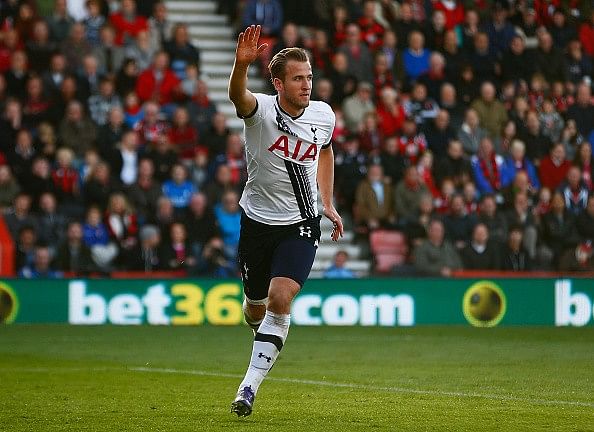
(247, 45)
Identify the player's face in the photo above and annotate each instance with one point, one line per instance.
(295, 89)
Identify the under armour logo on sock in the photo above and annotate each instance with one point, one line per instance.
(262, 355)
(305, 231)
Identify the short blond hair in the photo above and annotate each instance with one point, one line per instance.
(279, 61)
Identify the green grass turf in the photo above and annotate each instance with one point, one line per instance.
(61, 378)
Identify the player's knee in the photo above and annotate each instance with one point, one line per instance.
(281, 295)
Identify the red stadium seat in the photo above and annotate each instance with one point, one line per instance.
(389, 249)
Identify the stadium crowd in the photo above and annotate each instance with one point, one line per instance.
(465, 125)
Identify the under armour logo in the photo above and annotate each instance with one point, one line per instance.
(262, 355)
(315, 138)
(305, 231)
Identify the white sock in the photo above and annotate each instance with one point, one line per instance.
(268, 342)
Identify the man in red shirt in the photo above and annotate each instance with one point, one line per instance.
(553, 168)
(127, 23)
(158, 83)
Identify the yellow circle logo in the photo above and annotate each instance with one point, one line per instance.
(9, 304)
(484, 304)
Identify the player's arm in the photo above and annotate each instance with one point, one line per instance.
(326, 185)
(246, 53)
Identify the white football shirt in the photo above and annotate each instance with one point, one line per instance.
(282, 155)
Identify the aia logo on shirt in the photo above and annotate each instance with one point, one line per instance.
(298, 150)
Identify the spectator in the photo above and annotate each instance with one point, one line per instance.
(52, 79)
(146, 256)
(393, 56)
(182, 135)
(267, 13)
(201, 109)
(571, 139)
(127, 23)
(583, 110)
(480, 253)
(179, 189)
(160, 26)
(411, 144)
(212, 262)
(416, 57)
(158, 83)
(483, 59)
(453, 166)
(164, 217)
(181, 51)
(458, 223)
(579, 259)
(392, 161)
(99, 186)
(121, 222)
(382, 75)
(141, 50)
(344, 81)
(101, 105)
(585, 161)
(374, 201)
(575, 192)
(176, 252)
(89, 77)
(110, 57)
(587, 35)
(75, 47)
(517, 64)
(436, 256)
(578, 64)
(228, 216)
(435, 77)
(93, 22)
(59, 22)
(486, 168)
(549, 59)
(516, 162)
(289, 38)
(51, 223)
(471, 133)
(358, 55)
(198, 168)
(152, 127)
(390, 113)
(110, 133)
(40, 48)
(163, 158)
(419, 107)
(73, 255)
(201, 223)
(234, 158)
(77, 132)
(514, 256)
(551, 121)
(356, 106)
(559, 232)
(338, 269)
(439, 134)
(499, 29)
(521, 214)
(40, 180)
(145, 192)
(41, 268)
(96, 237)
(491, 112)
(407, 195)
(9, 188)
(25, 247)
(216, 138)
(127, 163)
(370, 136)
(585, 221)
(495, 221)
(20, 215)
(553, 168)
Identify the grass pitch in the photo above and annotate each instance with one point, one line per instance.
(61, 378)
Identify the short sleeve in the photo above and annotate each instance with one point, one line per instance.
(263, 103)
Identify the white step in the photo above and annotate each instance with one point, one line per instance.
(218, 83)
(223, 70)
(215, 44)
(208, 32)
(328, 251)
(221, 57)
(355, 265)
(191, 6)
(217, 96)
(203, 19)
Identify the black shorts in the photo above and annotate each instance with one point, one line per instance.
(268, 251)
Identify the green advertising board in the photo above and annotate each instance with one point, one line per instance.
(367, 302)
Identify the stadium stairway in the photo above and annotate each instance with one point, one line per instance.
(215, 37)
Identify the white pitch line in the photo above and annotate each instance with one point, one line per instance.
(369, 387)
